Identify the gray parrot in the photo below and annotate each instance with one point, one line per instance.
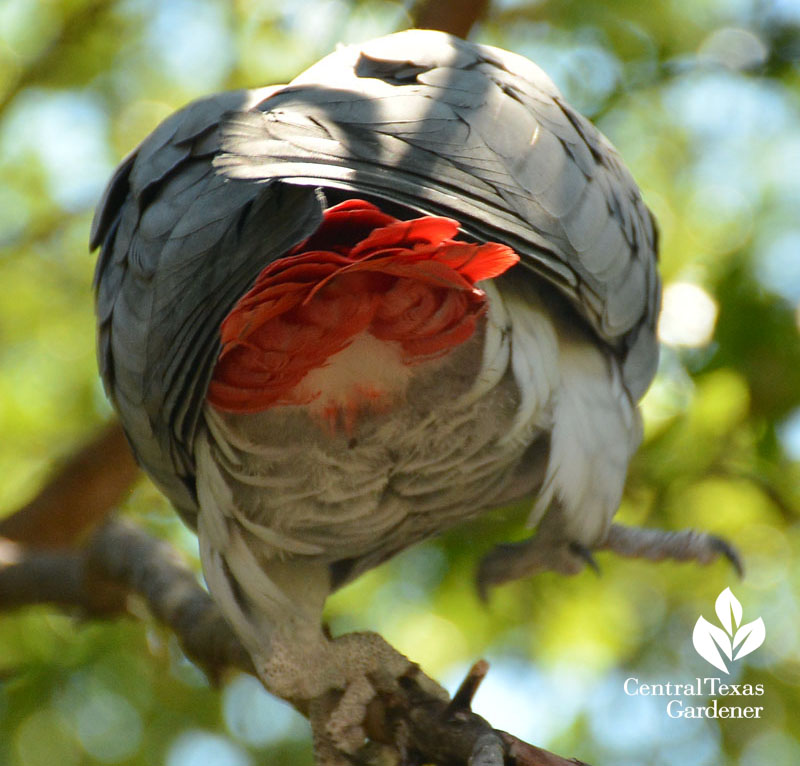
(340, 316)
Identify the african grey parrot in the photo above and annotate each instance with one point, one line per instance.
(339, 316)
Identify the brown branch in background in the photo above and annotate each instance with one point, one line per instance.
(154, 570)
(79, 496)
(49, 577)
(457, 17)
(118, 561)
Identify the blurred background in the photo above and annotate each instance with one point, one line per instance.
(702, 98)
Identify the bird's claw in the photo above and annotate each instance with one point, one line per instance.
(581, 551)
(721, 545)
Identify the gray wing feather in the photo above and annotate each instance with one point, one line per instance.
(180, 244)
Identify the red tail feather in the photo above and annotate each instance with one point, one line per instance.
(403, 281)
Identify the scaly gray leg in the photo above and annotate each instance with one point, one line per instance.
(549, 550)
(658, 544)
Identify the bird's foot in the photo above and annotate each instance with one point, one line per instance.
(345, 688)
(385, 710)
(658, 544)
(543, 552)
(515, 561)
(374, 671)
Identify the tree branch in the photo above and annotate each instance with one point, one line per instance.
(98, 579)
(450, 734)
(48, 577)
(77, 23)
(457, 17)
(154, 570)
(121, 560)
(79, 496)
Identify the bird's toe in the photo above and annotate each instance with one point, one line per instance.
(345, 722)
(680, 545)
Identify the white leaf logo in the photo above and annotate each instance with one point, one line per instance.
(751, 636)
(727, 606)
(714, 644)
(708, 639)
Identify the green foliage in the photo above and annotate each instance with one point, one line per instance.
(703, 100)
